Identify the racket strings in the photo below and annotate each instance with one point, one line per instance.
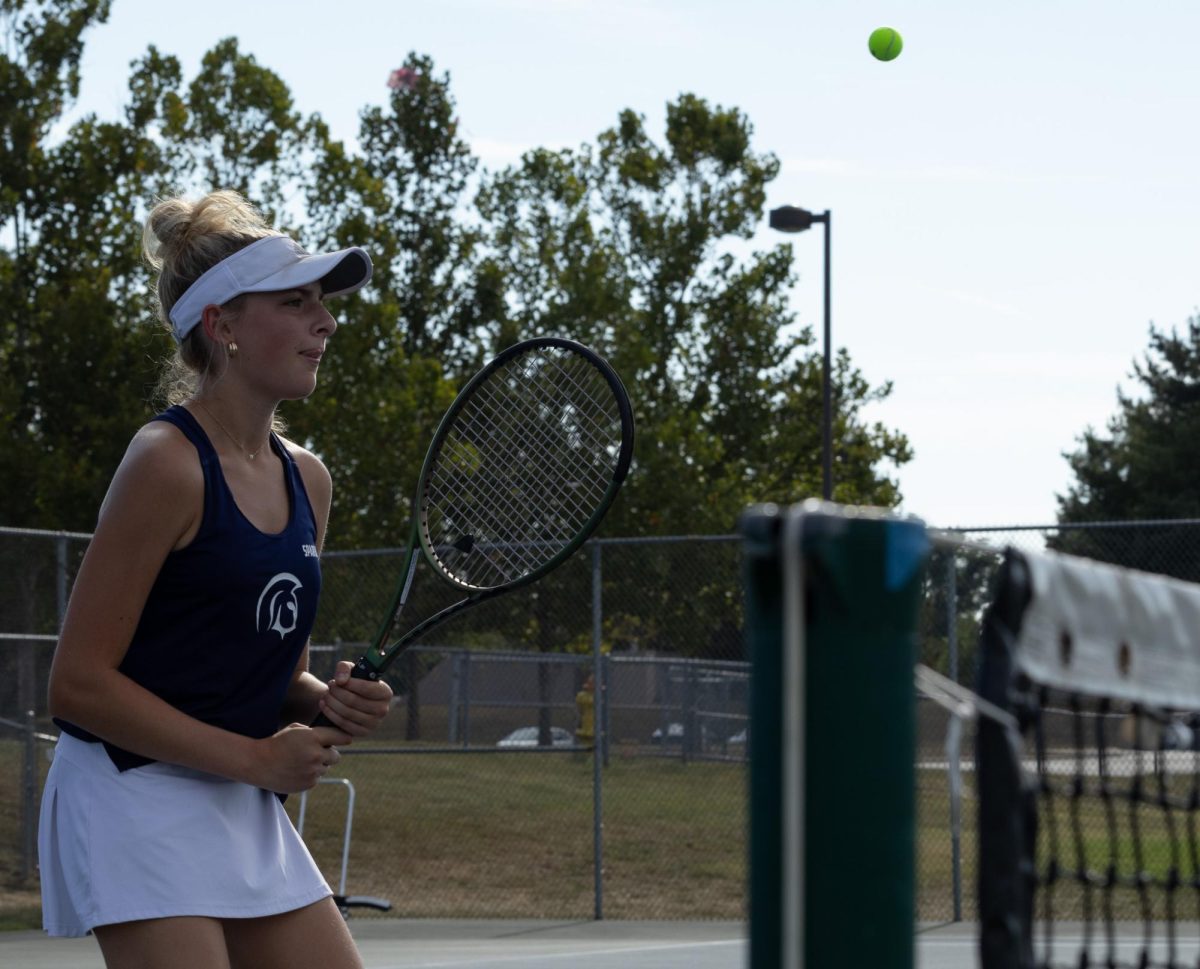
(574, 466)
(535, 436)
(587, 422)
(502, 534)
(508, 505)
(574, 410)
(528, 461)
(590, 422)
(572, 507)
(518, 556)
(566, 488)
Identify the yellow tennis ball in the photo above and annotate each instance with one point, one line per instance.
(885, 44)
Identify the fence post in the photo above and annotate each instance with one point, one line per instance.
(466, 698)
(61, 584)
(689, 743)
(955, 794)
(599, 735)
(453, 715)
(30, 798)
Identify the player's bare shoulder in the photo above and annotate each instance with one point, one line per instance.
(317, 480)
(162, 452)
(159, 483)
(309, 464)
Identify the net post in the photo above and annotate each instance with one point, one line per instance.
(1007, 805)
(847, 631)
(762, 581)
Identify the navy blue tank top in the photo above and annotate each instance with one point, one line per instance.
(229, 614)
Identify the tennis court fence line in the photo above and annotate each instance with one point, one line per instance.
(658, 622)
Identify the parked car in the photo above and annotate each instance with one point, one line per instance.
(528, 737)
(674, 734)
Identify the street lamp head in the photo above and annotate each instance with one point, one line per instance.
(788, 218)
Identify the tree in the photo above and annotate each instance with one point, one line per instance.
(404, 346)
(1145, 466)
(235, 127)
(628, 245)
(65, 302)
(77, 315)
(622, 245)
(625, 246)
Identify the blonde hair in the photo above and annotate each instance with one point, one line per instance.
(182, 240)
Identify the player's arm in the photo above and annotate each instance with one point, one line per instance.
(154, 505)
(357, 706)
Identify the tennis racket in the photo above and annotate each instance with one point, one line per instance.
(522, 469)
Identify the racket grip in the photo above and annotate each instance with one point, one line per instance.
(362, 670)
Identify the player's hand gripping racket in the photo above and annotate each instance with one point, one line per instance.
(522, 468)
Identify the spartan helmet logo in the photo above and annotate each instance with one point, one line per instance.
(278, 608)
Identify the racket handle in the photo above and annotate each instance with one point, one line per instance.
(362, 670)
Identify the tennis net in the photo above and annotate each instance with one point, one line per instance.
(1088, 807)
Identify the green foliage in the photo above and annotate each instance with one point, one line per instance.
(233, 126)
(64, 333)
(624, 244)
(1144, 468)
(393, 367)
(402, 200)
(958, 585)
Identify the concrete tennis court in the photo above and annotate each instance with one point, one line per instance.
(451, 944)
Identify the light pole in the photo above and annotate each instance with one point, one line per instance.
(788, 218)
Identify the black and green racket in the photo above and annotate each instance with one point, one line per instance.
(522, 469)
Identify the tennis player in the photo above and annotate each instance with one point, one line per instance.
(180, 680)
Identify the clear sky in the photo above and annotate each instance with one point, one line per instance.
(1014, 198)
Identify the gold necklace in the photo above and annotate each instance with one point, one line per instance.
(241, 447)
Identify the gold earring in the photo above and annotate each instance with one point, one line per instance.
(232, 349)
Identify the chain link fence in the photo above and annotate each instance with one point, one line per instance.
(652, 826)
(959, 582)
(481, 797)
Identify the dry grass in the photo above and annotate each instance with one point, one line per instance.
(490, 835)
(497, 835)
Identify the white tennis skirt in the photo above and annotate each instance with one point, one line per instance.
(160, 841)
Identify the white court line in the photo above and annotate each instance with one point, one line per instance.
(1098, 941)
(574, 954)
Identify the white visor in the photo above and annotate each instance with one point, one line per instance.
(269, 265)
